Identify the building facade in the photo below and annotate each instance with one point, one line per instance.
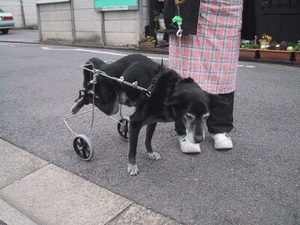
(80, 21)
(126, 22)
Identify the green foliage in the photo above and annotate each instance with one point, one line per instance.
(297, 46)
(247, 44)
(149, 39)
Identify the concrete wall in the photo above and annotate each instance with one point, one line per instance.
(23, 16)
(30, 12)
(77, 21)
(55, 22)
(88, 24)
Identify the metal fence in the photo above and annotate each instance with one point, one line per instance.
(281, 19)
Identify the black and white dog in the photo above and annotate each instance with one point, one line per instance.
(173, 98)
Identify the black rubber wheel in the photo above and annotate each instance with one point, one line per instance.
(83, 147)
(123, 128)
(5, 31)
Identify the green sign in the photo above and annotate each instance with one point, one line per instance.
(115, 5)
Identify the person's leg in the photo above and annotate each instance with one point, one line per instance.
(220, 123)
(180, 128)
(185, 145)
(220, 119)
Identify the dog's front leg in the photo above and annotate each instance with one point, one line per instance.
(134, 130)
(149, 134)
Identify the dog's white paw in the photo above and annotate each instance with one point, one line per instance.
(153, 156)
(75, 109)
(132, 169)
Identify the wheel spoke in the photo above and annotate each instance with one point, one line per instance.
(85, 152)
(79, 144)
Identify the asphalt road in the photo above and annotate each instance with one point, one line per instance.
(255, 183)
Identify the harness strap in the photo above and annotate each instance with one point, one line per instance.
(151, 87)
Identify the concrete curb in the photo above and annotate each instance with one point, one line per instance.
(11, 215)
(34, 191)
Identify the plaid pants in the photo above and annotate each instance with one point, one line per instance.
(211, 56)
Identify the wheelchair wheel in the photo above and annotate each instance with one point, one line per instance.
(83, 147)
(123, 128)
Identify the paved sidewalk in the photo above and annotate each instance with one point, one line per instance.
(34, 191)
(22, 36)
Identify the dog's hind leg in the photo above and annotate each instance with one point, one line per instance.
(149, 134)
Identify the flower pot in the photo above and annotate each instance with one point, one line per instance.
(297, 56)
(159, 37)
(146, 44)
(248, 53)
(161, 23)
(275, 55)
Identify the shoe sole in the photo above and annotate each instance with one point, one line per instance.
(190, 152)
(224, 149)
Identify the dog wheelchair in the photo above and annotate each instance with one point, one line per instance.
(81, 143)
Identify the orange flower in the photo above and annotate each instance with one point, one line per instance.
(266, 38)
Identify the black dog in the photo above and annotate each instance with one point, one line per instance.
(172, 99)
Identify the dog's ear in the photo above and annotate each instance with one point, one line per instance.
(161, 67)
(171, 101)
(176, 105)
(215, 100)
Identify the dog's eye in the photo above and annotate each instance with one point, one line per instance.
(190, 116)
(205, 116)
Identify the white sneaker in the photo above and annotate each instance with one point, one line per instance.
(188, 147)
(222, 141)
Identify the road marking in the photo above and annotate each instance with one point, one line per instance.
(95, 51)
(246, 66)
(82, 50)
(116, 54)
(11, 45)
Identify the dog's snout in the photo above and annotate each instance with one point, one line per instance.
(198, 138)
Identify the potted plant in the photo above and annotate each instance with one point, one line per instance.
(248, 49)
(160, 36)
(147, 42)
(297, 51)
(271, 50)
(265, 40)
(160, 19)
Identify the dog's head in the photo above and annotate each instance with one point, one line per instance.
(190, 104)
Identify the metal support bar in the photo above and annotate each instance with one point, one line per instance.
(121, 80)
